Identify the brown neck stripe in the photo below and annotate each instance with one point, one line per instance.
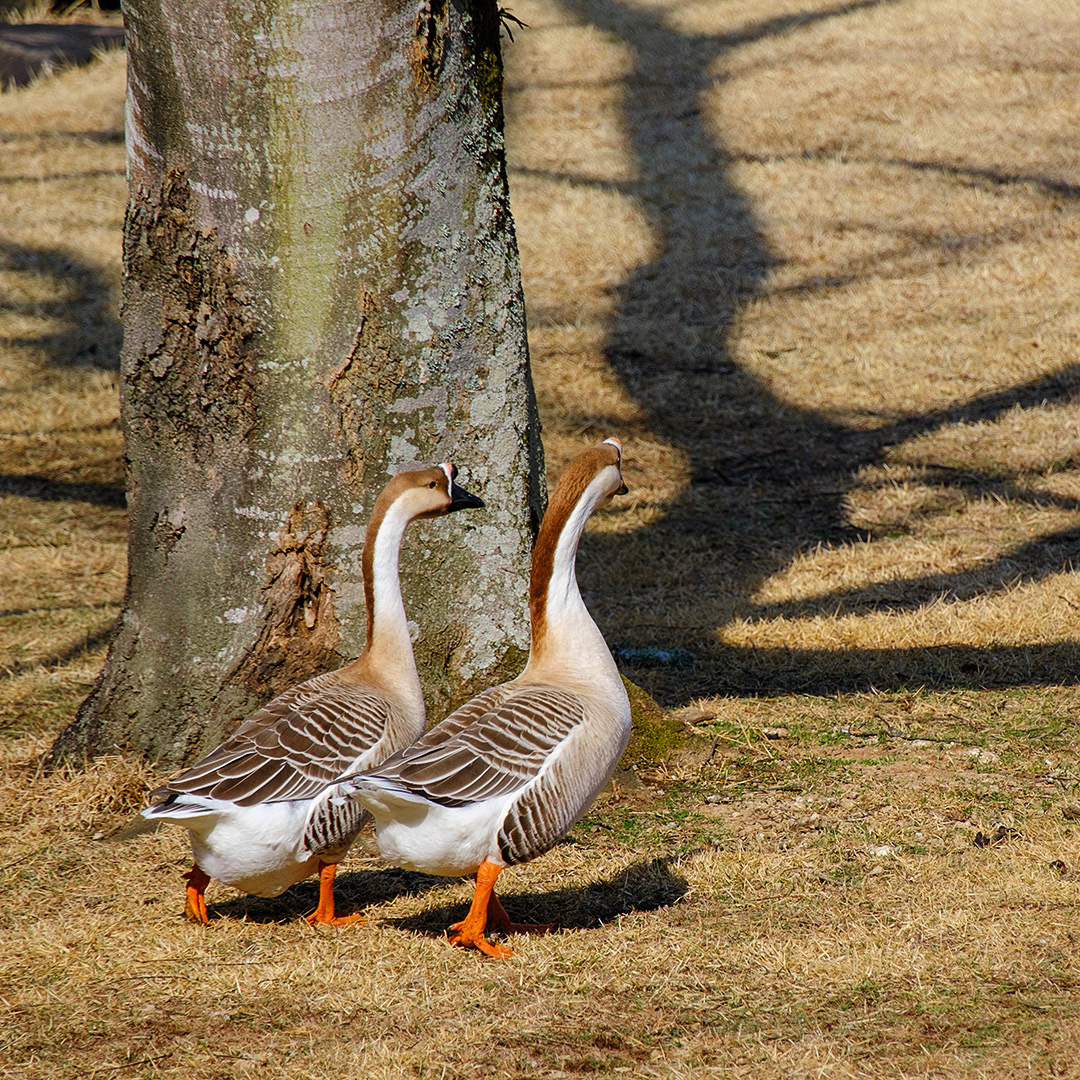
(577, 477)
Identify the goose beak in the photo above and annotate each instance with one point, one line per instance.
(460, 499)
(622, 489)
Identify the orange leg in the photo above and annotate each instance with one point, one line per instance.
(469, 933)
(324, 913)
(500, 922)
(195, 906)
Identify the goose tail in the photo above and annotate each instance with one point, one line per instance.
(137, 826)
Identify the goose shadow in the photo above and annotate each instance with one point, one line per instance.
(767, 480)
(646, 885)
(354, 893)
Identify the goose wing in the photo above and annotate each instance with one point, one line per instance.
(301, 741)
(496, 744)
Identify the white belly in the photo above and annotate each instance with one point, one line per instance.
(448, 840)
(257, 849)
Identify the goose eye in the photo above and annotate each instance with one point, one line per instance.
(433, 484)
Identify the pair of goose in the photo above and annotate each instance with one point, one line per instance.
(498, 782)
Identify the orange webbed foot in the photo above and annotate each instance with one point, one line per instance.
(316, 918)
(324, 915)
(195, 901)
(466, 938)
(469, 933)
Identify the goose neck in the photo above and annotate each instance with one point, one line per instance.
(563, 631)
(387, 626)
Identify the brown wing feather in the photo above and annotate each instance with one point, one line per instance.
(490, 747)
(543, 814)
(291, 749)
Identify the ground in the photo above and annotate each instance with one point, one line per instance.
(814, 264)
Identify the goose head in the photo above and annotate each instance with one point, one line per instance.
(416, 493)
(621, 489)
(590, 481)
(428, 493)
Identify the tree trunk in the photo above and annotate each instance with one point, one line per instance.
(321, 287)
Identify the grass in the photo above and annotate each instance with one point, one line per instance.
(815, 265)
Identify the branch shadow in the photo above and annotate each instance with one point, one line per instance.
(755, 501)
(765, 671)
(1024, 565)
(105, 137)
(86, 643)
(28, 50)
(45, 489)
(88, 174)
(80, 325)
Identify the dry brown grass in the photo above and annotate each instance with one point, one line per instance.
(885, 887)
(61, 500)
(815, 264)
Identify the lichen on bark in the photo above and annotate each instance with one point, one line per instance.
(321, 288)
(190, 361)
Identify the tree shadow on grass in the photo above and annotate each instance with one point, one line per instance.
(769, 480)
(29, 50)
(32, 486)
(76, 312)
(855, 671)
(77, 649)
(646, 885)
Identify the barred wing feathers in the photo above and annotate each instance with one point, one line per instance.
(332, 826)
(303, 740)
(500, 749)
(518, 743)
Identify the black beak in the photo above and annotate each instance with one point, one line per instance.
(464, 500)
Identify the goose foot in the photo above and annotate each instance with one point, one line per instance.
(195, 904)
(469, 933)
(324, 915)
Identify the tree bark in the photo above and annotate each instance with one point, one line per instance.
(321, 287)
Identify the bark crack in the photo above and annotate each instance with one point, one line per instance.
(429, 44)
(363, 387)
(300, 634)
(192, 371)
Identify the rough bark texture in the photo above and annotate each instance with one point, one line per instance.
(321, 287)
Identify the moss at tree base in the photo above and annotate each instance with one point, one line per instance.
(655, 733)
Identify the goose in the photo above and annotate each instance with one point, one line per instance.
(256, 807)
(503, 778)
